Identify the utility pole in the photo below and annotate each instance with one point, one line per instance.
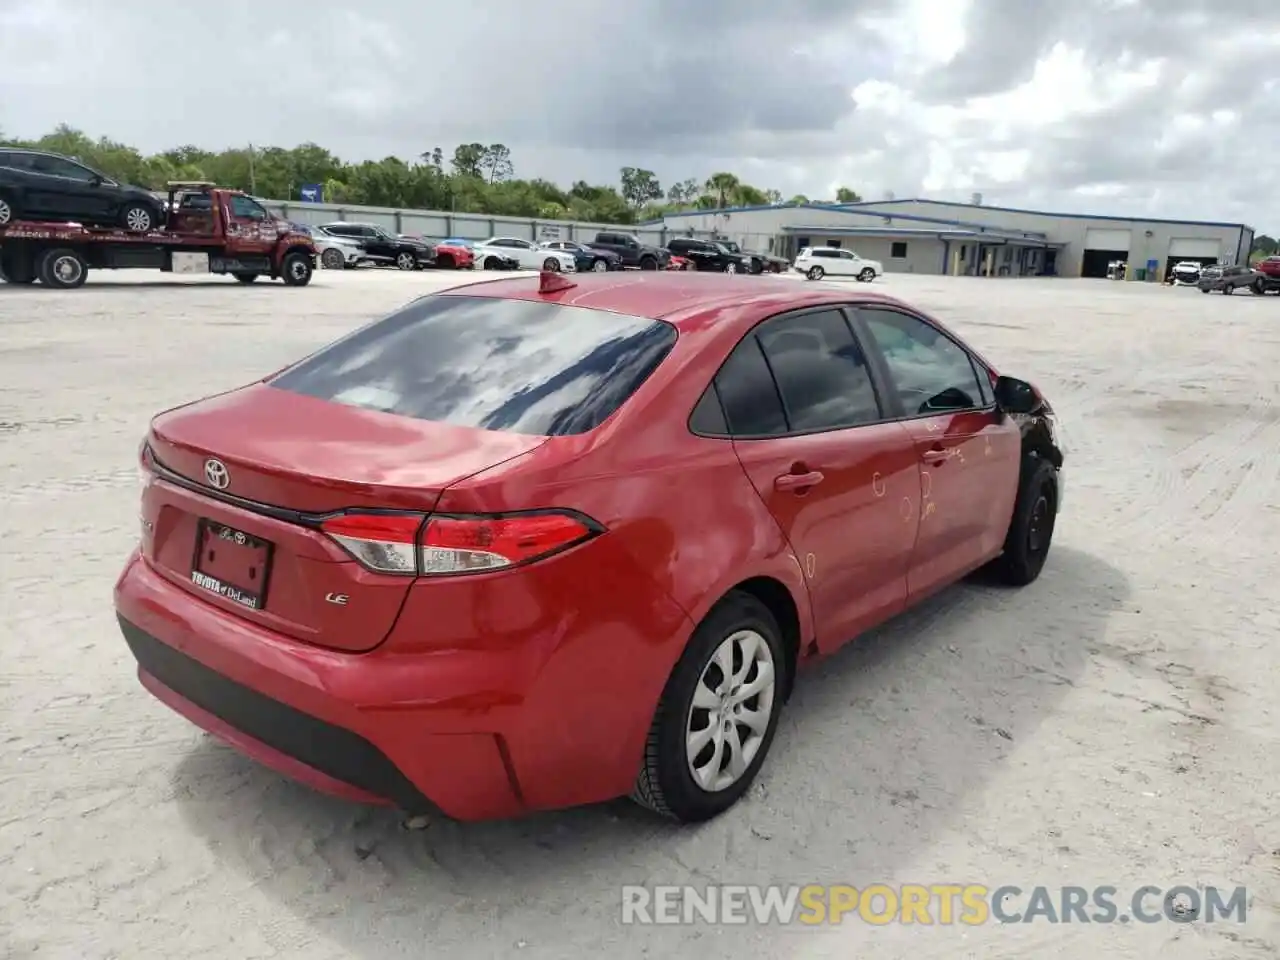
(253, 180)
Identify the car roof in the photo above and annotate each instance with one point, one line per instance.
(679, 297)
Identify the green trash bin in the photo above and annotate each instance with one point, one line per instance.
(1142, 273)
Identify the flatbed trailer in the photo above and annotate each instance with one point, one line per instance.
(224, 232)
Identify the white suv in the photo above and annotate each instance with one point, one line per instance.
(818, 262)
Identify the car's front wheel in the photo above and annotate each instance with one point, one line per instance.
(718, 714)
(815, 273)
(1030, 533)
(333, 259)
(551, 264)
(599, 266)
(406, 260)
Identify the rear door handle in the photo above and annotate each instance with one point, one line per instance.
(797, 481)
(935, 456)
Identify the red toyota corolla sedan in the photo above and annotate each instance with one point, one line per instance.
(534, 543)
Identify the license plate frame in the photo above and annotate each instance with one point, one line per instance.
(220, 585)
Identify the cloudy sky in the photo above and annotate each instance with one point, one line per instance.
(1124, 106)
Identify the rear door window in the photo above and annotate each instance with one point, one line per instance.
(820, 370)
(533, 368)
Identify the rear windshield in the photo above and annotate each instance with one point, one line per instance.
(514, 365)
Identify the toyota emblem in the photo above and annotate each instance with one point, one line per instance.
(215, 471)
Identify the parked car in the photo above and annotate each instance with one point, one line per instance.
(1269, 266)
(454, 255)
(1227, 279)
(632, 251)
(527, 254)
(587, 258)
(416, 553)
(708, 255)
(1187, 271)
(48, 187)
(339, 253)
(818, 262)
(381, 246)
(760, 262)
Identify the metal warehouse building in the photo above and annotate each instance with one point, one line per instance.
(937, 237)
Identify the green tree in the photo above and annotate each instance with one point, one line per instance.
(474, 179)
(495, 163)
(467, 158)
(639, 186)
(845, 195)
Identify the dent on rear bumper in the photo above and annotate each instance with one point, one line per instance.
(481, 733)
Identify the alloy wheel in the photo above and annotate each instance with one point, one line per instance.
(729, 716)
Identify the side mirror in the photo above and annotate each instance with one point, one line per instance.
(95, 181)
(1016, 396)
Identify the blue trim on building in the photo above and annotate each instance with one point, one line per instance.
(880, 215)
(1046, 213)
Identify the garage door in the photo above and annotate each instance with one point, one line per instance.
(1194, 248)
(1097, 239)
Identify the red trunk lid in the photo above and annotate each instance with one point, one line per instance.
(284, 453)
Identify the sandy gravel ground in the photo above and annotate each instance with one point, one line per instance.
(1113, 724)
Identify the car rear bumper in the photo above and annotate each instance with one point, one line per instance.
(490, 731)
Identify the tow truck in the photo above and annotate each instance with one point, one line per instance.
(208, 229)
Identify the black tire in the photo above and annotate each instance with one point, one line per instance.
(1035, 513)
(296, 270)
(665, 784)
(648, 263)
(406, 261)
(599, 266)
(867, 275)
(139, 217)
(491, 263)
(246, 277)
(63, 269)
(17, 268)
(551, 265)
(816, 273)
(1204, 289)
(333, 259)
(8, 209)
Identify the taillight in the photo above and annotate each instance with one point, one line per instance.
(399, 543)
(472, 544)
(384, 542)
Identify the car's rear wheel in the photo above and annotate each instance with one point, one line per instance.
(138, 218)
(551, 264)
(332, 259)
(1030, 534)
(63, 268)
(867, 275)
(406, 260)
(816, 273)
(718, 714)
(490, 263)
(8, 210)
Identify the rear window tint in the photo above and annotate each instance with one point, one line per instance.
(515, 365)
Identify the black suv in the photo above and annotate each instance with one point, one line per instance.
(383, 246)
(48, 187)
(709, 255)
